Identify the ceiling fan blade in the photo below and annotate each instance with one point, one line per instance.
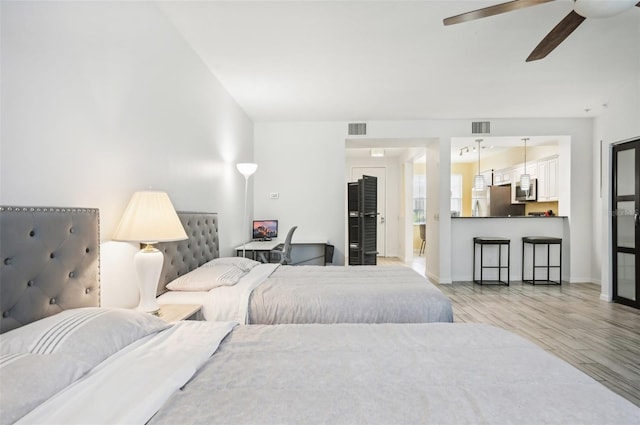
(557, 35)
(492, 10)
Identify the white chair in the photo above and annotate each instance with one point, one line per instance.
(284, 250)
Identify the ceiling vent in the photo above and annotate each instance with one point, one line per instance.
(357, 129)
(480, 127)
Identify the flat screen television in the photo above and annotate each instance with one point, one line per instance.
(265, 229)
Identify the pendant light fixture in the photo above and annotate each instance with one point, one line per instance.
(525, 179)
(478, 180)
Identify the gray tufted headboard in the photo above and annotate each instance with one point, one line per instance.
(49, 262)
(183, 256)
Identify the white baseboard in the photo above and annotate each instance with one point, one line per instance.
(436, 279)
(605, 297)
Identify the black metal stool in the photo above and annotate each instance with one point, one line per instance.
(548, 241)
(482, 241)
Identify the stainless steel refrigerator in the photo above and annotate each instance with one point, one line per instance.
(494, 201)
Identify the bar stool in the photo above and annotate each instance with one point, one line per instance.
(548, 241)
(500, 242)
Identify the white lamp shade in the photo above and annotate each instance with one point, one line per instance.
(150, 218)
(478, 182)
(247, 168)
(525, 182)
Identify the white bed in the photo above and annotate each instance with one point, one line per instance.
(291, 294)
(437, 373)
(273, 294)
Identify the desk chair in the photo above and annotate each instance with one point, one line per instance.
(284, 250)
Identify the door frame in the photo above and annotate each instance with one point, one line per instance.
(615, 148)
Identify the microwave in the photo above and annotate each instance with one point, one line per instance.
(530, 195)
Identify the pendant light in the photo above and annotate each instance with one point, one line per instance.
(525, 179)
(478, 180)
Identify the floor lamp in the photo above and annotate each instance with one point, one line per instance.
(246, 169)
(148, 219)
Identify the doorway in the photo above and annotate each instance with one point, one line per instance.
(381, 174)
(626, 222)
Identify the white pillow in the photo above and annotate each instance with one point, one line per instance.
(90, 334)
(245, 264)
(206, 278)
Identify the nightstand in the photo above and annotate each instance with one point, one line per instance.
(175, 312)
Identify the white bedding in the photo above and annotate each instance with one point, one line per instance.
(425, 373)
(130, 386)
(273, 294)
(225, 303)
(438, 373)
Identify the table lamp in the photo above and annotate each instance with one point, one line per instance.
(148, 219)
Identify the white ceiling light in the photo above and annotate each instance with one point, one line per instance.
(478, 180)
(377, 152)
(602, 8)
(525, 179)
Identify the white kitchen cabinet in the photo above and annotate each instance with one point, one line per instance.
(552, 170)
(547, 175)
(502, 176)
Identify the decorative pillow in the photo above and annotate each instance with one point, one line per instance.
(206, 278)
(89, 334)
(28, 380)
(245, 264)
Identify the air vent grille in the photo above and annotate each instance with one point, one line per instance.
(480, 127)
(357, 129)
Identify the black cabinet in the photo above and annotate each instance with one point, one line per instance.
(362, 206)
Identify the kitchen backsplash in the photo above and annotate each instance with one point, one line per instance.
(540, 207)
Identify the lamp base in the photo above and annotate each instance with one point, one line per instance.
(148, 263)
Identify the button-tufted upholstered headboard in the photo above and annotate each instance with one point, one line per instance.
(183, 256)
(49, 262)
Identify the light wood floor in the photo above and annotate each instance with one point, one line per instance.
(600, 338)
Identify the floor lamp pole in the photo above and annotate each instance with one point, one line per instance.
(245, 218)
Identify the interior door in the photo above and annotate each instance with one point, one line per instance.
(381, 174)
(626, 222)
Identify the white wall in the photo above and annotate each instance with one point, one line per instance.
(315, 156)
(304, 163)
(620, 121)
(100, 99)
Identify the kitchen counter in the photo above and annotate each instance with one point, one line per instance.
(519, 216)
(464, 229)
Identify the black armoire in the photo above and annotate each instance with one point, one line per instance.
(363, 220)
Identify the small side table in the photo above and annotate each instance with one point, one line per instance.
(548, 241)
(499, 242)
(176, 312)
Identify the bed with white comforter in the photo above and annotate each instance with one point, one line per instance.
(439, 373)
(275, 294)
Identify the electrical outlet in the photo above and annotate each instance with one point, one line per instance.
(274, 195)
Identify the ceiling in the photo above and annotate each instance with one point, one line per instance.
(395, 60)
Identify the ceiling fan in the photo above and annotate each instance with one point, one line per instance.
(582, 9)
